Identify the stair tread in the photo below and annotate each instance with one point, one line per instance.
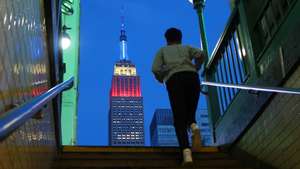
(144, 163)
(90, 149)
(129, 156)
(139, 158)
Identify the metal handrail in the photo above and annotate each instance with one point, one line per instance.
(18, 116)
(231, 24)
(283, 90)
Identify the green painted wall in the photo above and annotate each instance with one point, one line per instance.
(71, 60)
(271, 65)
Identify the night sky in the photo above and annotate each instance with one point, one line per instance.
(146, 22)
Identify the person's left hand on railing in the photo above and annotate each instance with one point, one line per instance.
(199, 60)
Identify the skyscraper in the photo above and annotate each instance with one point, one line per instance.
(126, 115)
(203, 123)
(162, 131)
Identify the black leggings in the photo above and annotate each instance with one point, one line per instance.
(184, 90)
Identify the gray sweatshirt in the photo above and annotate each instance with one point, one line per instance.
(175, 58)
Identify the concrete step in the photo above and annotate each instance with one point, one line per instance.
(139, 158)
(174, 163)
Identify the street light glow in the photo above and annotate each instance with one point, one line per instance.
(65, 42)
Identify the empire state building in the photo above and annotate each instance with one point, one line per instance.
(126, 114)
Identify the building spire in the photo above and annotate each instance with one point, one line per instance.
(123, 37)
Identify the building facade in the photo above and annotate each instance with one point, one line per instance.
(205, 130)
(162, 131)
(126, 115)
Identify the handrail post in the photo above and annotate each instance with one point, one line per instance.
(199, 7)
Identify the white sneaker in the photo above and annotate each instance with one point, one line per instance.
(194, 126)
(187, 157)
(196, 137)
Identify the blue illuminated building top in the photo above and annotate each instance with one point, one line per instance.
(123, 41)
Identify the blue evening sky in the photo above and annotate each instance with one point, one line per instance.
(146, 22)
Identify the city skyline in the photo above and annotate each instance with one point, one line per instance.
(146, 22)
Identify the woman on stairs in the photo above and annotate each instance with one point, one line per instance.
(177, 66)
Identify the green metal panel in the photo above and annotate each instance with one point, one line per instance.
(271, 66)
(71, 60)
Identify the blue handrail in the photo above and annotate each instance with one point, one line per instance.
(18, 116)
(283, 90)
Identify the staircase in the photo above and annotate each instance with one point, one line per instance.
(140, 158)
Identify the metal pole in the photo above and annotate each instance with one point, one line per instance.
(199, 7)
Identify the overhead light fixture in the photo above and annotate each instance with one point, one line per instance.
(65, 41)
(67, 7)
(198, 3)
